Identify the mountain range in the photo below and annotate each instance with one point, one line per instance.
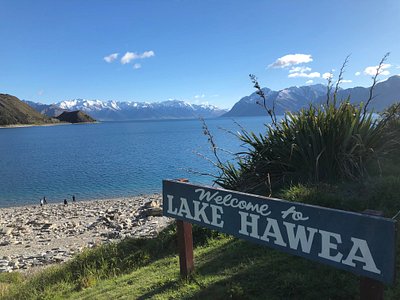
(289, 99)
(294, 98)
(125, 111)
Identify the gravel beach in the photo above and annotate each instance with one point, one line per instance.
(36, 236)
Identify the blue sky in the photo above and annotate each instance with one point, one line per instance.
(199, 51)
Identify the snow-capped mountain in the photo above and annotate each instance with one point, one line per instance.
(124, 111)
(294, 98)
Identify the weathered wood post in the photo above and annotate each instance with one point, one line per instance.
(185, 245)
(371, 289)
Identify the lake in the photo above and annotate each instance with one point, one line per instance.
(109, 159)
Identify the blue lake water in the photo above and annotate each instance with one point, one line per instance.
(108, 160)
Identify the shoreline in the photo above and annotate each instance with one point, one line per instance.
(81, 200)
(44, 125)
(33, 236)
(33, 125)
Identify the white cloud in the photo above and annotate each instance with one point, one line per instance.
(300, 69)
(357, 73)
(346, 81)
(309, 81)
(41, 92)
(199, 96)
(137, 66)
(110, 58)
(130, 56)
(372, 70)
(147, 54)
(291, 60)
(327, 75)
(306, 75)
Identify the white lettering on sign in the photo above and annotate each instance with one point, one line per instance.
(365, 258)
(327, 246)
(275, 233)
(254, 223)
(229, 201)
(297, 235)
(296, 215)
(245, 223)
(184, 210)
(217, 212)
(199, 212)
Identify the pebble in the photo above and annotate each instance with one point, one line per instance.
(32, 236)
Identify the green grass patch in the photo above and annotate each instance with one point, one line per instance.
(226, 268)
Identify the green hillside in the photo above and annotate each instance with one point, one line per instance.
(13, 112)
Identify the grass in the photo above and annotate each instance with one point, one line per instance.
(226, 268)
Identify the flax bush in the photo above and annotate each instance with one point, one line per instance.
(334, 141)
(316, 144)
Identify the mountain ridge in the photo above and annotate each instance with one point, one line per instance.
(292, 98)
(125, 111)
(295, 98)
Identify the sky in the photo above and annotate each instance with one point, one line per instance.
(197, 51)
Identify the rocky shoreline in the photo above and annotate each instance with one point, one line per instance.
(36, 236)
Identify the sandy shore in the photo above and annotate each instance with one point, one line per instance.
(32, 236)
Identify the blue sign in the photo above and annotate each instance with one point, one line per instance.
(359, 243)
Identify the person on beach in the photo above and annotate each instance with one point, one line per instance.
(41, 202)
(73, 198)
(65, 202)
(44, 200)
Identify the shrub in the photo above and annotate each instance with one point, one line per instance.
(317, 144)
(335, 141)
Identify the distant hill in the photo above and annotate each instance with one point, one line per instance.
(50, 110)
(126, 111)
(13, 112)
(385, 93)
(294, 98)
(75, 117)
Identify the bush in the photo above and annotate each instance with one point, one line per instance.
(317, 144)
(336, 141)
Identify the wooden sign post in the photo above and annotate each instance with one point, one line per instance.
(185, 245)
(363, 244)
